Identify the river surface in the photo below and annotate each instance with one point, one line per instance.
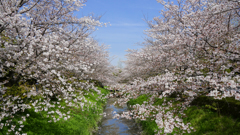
(122, 126)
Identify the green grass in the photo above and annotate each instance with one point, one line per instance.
(205, 121)
(104, 90)
(148, 126)
(138, 100)
(106, 87)
(80, 123)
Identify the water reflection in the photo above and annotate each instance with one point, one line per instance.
(122, 126)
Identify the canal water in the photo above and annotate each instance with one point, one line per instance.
(122, 126)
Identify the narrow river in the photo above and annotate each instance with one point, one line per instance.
(122, 126)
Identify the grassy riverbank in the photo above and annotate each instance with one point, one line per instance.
(205, 117)
(82, 121)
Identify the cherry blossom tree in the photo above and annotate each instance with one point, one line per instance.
(42, 41)
(198, 41)
(192, 49)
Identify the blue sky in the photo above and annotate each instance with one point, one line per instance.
(127, 23)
